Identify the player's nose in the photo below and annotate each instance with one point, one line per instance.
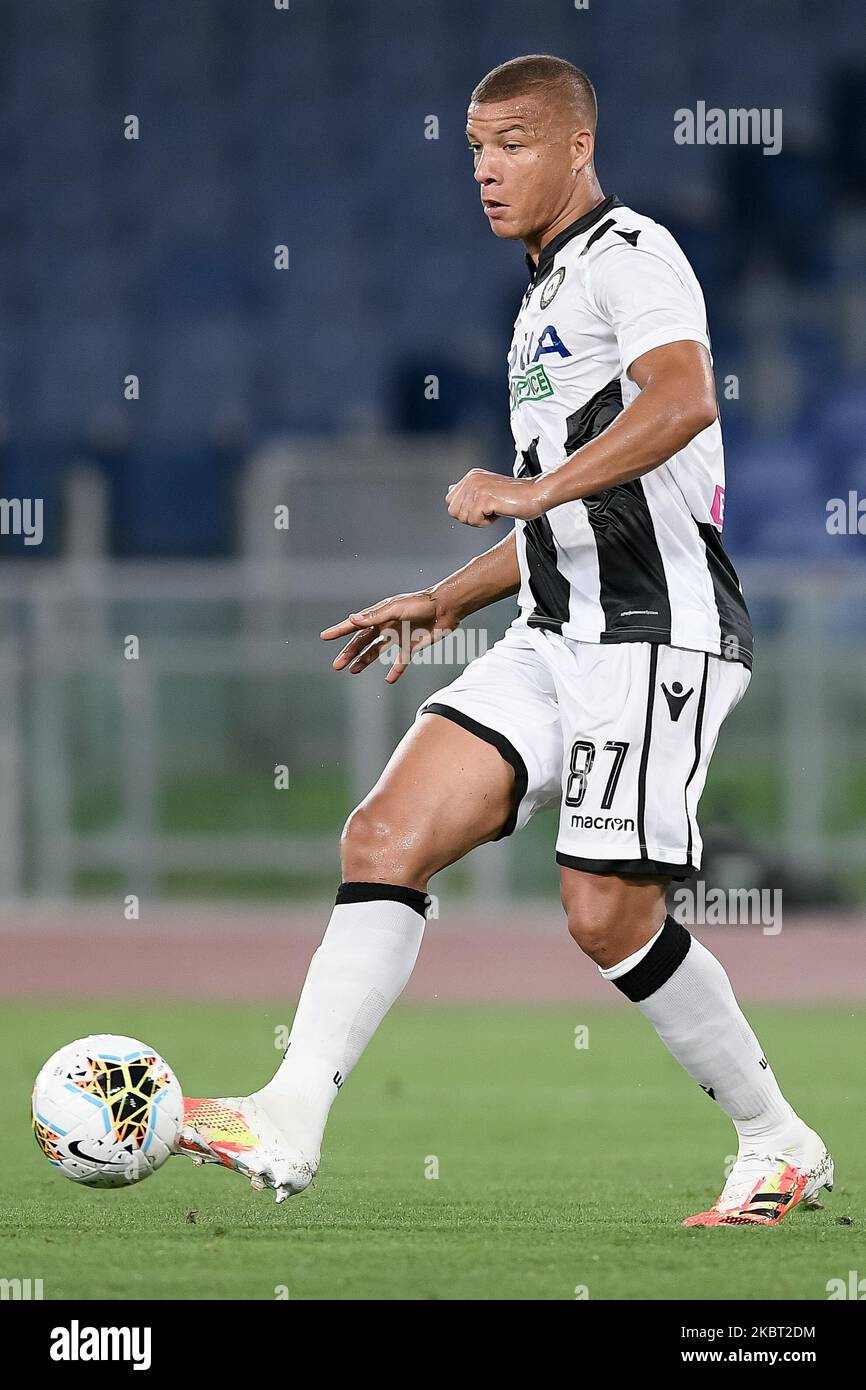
(484, 174)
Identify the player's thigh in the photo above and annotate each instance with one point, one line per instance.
(483, 754)
(443, 792)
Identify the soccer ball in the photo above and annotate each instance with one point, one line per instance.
(106, 1110)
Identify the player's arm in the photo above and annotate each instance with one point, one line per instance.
(411, 621)
(484, 580)
(677, 400)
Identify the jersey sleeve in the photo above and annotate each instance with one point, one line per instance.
(646, 296)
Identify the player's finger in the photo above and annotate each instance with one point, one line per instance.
(351, 649)
(401, 661)
(370, 654)
(349, 624)
(366, 659)
(337, 630)
(397, 669)
(364, 618)
(423, 637)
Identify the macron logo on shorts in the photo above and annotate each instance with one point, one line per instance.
(602, 823)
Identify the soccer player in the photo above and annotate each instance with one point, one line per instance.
(607, 692)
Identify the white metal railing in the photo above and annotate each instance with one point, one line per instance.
(67, 613)
(60, 624)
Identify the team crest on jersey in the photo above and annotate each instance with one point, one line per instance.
(532, 385)
(552, 286)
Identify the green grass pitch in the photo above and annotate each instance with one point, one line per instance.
(560, 1169)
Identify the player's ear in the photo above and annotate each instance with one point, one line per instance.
(582, 147)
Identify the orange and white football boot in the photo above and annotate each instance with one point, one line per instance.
(236, 1131)
(763, 1187)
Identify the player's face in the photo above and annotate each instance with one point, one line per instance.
(523, 160)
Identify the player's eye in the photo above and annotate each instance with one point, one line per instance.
(511, 147)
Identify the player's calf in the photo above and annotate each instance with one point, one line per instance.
(685, 993)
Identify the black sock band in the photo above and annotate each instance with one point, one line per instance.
(664, 957)
(376, 892)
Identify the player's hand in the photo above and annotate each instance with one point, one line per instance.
(480, 497)
(406, 622)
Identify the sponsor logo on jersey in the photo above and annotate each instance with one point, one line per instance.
(602, 823)
(550, 341)
(532, 348)
(552, 286)
(533, 385)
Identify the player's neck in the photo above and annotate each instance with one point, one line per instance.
(582, 202)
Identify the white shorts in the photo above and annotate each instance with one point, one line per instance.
(621, 734)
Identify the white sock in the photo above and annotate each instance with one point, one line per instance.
(366, 957)
(685, 993)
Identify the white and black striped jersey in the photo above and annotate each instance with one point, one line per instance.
(643, 561)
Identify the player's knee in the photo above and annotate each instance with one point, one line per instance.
(591, 933)
(593, 914)
(372, 847)
(366, 835)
